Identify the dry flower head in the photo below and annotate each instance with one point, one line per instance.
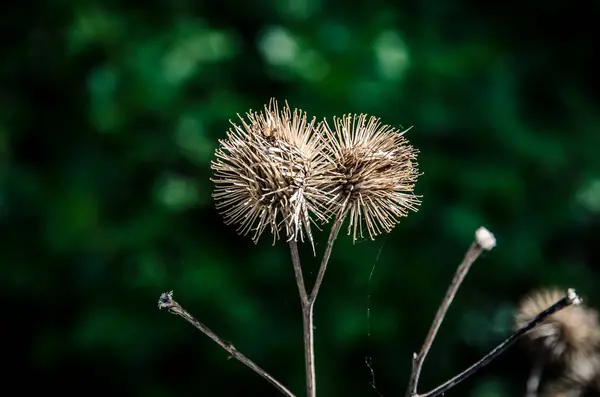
(565, 336)
(373, 175)
(269, 172)
(279, 171)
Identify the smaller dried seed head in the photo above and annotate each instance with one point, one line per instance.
(372, 176)
(269, 172)
(565, 336)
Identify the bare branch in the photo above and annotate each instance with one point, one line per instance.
(335, 229)
(298, 273)
(166, 301)
(472, 254)
(570, 299)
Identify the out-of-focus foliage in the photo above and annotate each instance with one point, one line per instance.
(109, 115)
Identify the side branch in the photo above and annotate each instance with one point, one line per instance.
(335, 229)
(418, 359)
(166, 301)
(570, 299)
(484, 240)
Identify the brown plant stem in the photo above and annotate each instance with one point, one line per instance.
(166, 301)
(569, 299)
(298, 274)
(308, 304)
(309, 352)
(472, 254)
(307, 323)
(335, 230)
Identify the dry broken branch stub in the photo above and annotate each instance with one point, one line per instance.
(166, 301)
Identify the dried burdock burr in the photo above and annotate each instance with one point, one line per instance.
(564, 336)
(270, 173)
(373, 174)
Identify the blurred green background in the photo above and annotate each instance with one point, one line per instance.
(109, 115)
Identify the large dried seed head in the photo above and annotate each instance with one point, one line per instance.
(373, 174)
(269, 173)
(565, 336)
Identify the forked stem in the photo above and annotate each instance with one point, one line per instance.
(308, 303)
(166, 301)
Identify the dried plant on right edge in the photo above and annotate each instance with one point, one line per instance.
(568, 341)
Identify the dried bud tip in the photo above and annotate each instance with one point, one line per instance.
(485, 238)
(573, 297)
(165, 300)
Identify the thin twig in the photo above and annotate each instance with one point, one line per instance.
(166, 301)
(474, 251)
(335, 229)
(298, 273)
(533, 383)
(307, 323)
(570, 299)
